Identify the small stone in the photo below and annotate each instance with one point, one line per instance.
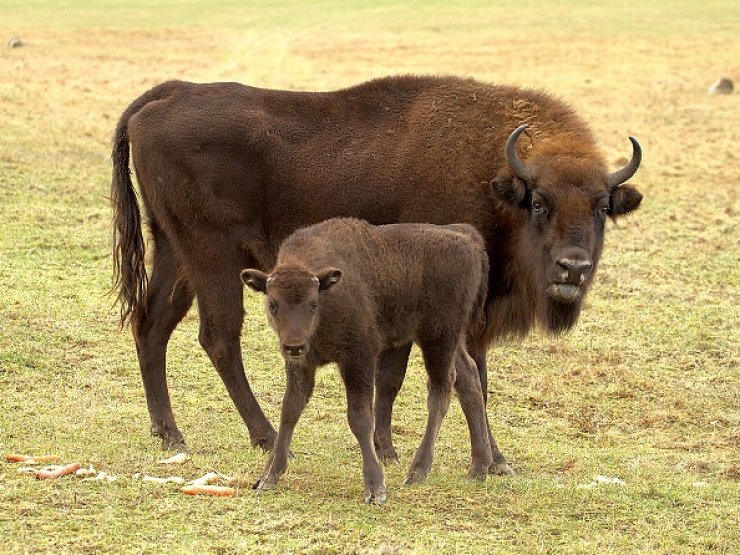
(723, 85)
(15, 42)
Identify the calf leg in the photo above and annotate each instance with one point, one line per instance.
(167, 301)
(221, 317)
(469, 393)
(299, 387)
(358, 380)
(499, 466)
(438, 358)
(388, 381)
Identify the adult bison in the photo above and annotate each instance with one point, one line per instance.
(227, 171)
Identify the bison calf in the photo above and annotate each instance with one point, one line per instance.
(344, 291)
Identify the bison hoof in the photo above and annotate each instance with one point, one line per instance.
(172, 439)
(173, 443)
(415, 476)
(177, 446)
(501, 469)
(266, 442)
(376, 498)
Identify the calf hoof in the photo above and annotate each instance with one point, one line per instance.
(376, 498)
(478, 473)
(501, 469)
(265, 484)
(387, 455)
(415, 476)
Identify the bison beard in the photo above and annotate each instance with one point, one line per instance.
(226, 172)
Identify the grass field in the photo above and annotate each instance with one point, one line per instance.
(646, 388)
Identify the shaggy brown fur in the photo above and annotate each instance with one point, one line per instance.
(344, 291)
(227, 172)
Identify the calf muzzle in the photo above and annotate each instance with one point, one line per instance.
(294, 350)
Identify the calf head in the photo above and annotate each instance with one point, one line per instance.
(292, 303)
(562, 197)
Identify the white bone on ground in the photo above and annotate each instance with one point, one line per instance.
(50, 468)
(90, 470)
(157, 480)
(211, 478)
(175, 459)
(27, 470)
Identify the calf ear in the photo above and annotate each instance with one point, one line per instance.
(254, 279)
(509, 189)
(624, 199)
(328, 278)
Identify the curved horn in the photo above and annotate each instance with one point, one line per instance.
(620, 176)
(512, 159)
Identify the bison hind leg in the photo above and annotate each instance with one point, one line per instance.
(439, 359)
(167, 301)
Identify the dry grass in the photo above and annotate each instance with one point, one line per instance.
(646, 388)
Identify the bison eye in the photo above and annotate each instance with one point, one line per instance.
(537, 208)
(314, 306)
(603, 211)
(272, 307)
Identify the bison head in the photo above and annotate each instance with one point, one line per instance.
(562, 196)
(292, 303)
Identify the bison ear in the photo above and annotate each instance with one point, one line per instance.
(328, 278)
(256, 280)
(510, 189)
(624, 199)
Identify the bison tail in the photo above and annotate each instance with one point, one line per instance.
(129, 268)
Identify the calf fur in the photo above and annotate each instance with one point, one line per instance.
(345, 291)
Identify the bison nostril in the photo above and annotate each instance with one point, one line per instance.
(575, 270)
(573, 265)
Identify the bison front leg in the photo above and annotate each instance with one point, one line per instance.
(358, 380)
(388, 380)
(499, 466)
(469, 393)
(299, 387)
(221, 317)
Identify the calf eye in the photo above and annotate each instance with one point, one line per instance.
(272, 307)
(314, 306)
